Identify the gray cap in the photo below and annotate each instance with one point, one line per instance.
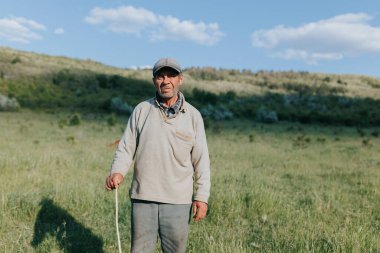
(168, 63)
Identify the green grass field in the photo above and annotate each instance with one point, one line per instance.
(275, 188)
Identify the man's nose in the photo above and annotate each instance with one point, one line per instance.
(166, 79)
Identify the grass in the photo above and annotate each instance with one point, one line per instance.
(275, 188)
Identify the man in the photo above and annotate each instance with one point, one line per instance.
(165, 137)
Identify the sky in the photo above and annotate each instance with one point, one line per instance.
(326, 36)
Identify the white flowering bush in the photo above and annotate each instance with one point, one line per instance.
(8, 104)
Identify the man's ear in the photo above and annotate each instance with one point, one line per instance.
(181, 78)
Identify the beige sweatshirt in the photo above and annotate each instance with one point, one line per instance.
(171, 155)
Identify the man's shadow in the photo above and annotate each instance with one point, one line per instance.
(70, 235)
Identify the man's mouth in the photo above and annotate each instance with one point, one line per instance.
(165, 89)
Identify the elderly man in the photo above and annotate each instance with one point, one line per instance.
(165, 136)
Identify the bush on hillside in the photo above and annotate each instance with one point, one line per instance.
(203, 97)
(206, 74)
(266, 116)
(74, 120)
(16, 60)
(219, 112)
(121, 107)
(319, 90)
(8, 104)
(111, 120)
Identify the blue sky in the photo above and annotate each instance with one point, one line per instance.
(329, 36)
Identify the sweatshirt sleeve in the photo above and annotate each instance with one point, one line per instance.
(126, 149)
(201, 163)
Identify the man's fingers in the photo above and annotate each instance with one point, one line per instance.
(108, 184)
(115, 182)
(198, 216)
(199, 211)
(111, 183)
(194, 209)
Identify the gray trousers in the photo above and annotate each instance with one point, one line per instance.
(169, 221)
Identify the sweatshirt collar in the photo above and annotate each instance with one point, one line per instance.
(172, 111)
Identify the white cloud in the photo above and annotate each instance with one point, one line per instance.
(329, 39)
(31, 23)
(128, 19)
(59, 31)
(172, 28)
(125, 19)
(19, 29)
(141, 67)
(310, 58)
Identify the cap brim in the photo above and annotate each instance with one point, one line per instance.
(170, 67)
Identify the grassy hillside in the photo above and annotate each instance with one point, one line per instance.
(286, 187)
(275, 188)
(60, 83)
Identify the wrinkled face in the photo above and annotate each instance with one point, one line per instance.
(167, 82)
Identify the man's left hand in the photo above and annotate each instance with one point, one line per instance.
(199, 210)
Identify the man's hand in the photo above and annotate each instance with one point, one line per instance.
(199, 210)
(113, 181)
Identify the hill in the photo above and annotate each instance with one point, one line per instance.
(59, 83)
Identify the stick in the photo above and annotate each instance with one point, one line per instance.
(117, 220)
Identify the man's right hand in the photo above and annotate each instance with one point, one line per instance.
(113, 181)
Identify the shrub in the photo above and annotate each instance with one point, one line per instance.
(70, 139)
(327, 79)
(204, 97)
(206, 73)
(16, 60)
(62, 123)
(119, 106)
(266, 116)
(228, 97)
(111, 120)
(103, 81)
(374, 83)
(341, 82)
(216, 112)
(74, 120)
(8, 104)
(63, 76)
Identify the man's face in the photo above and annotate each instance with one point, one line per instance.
(167, 82)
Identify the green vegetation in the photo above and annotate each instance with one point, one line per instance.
(278, 184)
(57, 83)
(275, 187)
(77, 90)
